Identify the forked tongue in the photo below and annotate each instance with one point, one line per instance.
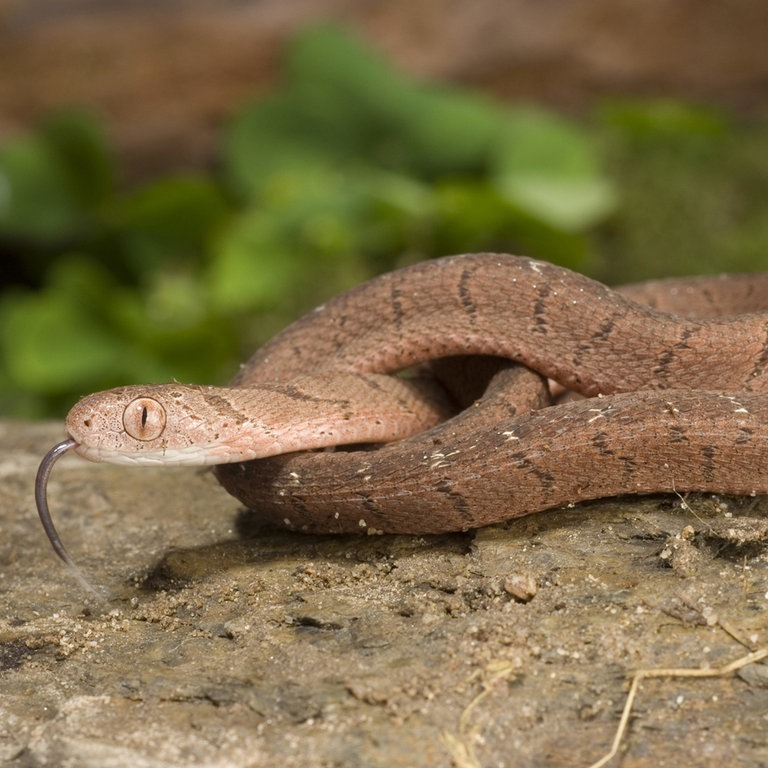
(41, 498)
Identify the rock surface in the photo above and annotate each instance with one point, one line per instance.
(225, 645)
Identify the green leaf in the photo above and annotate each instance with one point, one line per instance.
(476, 216)
(253, 266)
(546, 166)
(36, 202)
(52, 341)
(80, 146)
(659, 119)
(448, 132)
(343, 105)
(269, 139)
(52, 182)
(308, 233)
(569, 204)
(170, 220)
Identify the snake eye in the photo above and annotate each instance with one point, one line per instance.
(144, 418)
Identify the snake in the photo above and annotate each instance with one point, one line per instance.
(464, 391)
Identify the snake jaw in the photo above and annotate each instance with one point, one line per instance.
(188, 456)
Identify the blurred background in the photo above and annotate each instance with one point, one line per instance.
(180, 179)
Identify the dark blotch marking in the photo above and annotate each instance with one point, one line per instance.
(224, 408)
(762, 361)
(600, 441)
(300, 395)
(547, 480)
(521, 459)
(666, 359)
(677, 435)
(465, 295)
(398, 313)
(606, 329)
(458, 501)
(540, 307)
(369, 505)
(708, 453)
(629, 467)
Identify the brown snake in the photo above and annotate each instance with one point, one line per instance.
(674, 376)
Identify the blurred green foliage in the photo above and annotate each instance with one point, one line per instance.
(693, 188)
(348, 170)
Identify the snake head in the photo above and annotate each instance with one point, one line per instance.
(190, 425)
(155, 424)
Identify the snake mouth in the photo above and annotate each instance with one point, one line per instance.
(186, 456)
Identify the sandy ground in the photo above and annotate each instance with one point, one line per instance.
(221, 644)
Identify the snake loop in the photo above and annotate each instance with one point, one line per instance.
(666, 389)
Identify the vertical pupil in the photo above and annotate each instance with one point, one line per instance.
(144, 416)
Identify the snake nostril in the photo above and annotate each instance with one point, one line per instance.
(87, 423)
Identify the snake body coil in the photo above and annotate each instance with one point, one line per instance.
(681, 368)
(673, 379)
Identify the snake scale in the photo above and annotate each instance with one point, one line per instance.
(663, 387)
